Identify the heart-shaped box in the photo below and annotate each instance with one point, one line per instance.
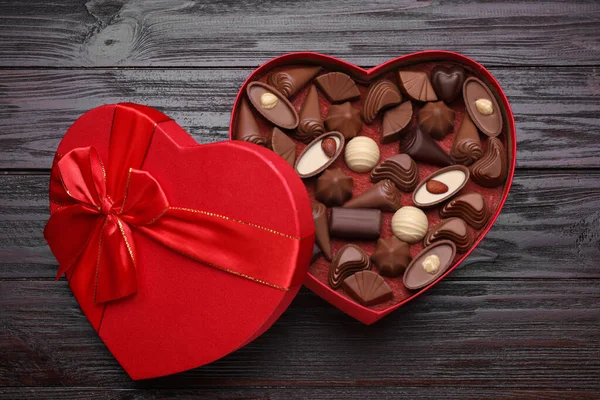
(238, 207)
(318, 285)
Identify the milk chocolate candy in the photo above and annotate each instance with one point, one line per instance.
(492, 168)
(355, 223)
(421, 147)
(313, 160)
(384, 196)
(436, 119)
(391, 256)
(311, 124)
(282, 145)
(334, 187)
(452, 178)
(453, 229)
(471, 207)
(347, 261)
(319, 212)
(447, 81)
(368, 288)
(466, 147)
(416, 85)
(482, 107)
(400, 169)
(344, 118)
(429, 264)
(246, 128)
(272, 105)
(395, 122)
(289, 81)
(338, 87)
(381, 95)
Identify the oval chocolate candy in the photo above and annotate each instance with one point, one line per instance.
(313, 159)
(451, 179)
(482, 107)
(272, 105)
(429, 264)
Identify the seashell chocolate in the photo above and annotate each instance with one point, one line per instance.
(347, 261)
(454, 229)
(381, 95)
(471, 207)
(338, 87)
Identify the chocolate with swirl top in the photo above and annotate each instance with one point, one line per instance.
(454, 229)
(471, 207)
(466, 147)
(384, 195)
(381, 95)
(246, 128)
(400, 169)
(491, 169)
(311, 124)
(291, 80)
(347, 261)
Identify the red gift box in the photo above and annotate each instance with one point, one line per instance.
(177, 253)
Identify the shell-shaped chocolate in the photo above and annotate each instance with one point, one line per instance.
(384, 195)
(381, 95)
(491, 169)
(471, 207)
(436, 119)
(368, 288)
(347, 261)
(337, 87)
(400, 169)
(466, 147)
(454, 229)
(395, 122)
(288, 82)
(417, 85)
(282, 145)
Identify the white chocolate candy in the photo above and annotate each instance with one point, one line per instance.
(361, 154)
(431, 264)
(409, 224)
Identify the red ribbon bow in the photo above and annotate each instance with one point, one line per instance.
(103, 207)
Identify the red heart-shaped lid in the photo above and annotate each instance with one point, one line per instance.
(139, 279)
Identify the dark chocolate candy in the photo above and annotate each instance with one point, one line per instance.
(344, 118)
(447, 81)
(436, 119)
(319, 212)
(454, 178)
(454, 229)
(395, 122)
(416, 85)
(381, 95)
(491, 169)
(246, 127)
(400, 169)
(311, 124)
(482, 107)
(391, 256)
(429, 264)
(368, 288)
(471, 207)
(384, 196)
(282, 145)
(338, 87)
(347, 261)
(421, 147)
(272, 105)
(333, 187)
(466, 147)
(313, 160)
(355, 223)
(288, 82)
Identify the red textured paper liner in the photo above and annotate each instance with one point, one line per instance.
(422, 61)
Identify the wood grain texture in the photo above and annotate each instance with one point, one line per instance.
(555, 109)
(249, 32)
(519, 335)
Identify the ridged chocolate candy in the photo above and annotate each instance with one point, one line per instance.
(400, 169)
(319, 212)
(311, 124)
(447, 81)
(391, 256)
(361, 154)
(395, 122)
(337, 87)
(471, 207)
(454, 229)
(282, 145)
(347, 261)
(409, 224)
(466, 147)
(246, 128)
(344, 118)
(491, 169)
(421, 147)
(436, 119)
(289, 81)
(381, 95)
(416, 85)
(368, 288)
(334, 187)
(384, 196)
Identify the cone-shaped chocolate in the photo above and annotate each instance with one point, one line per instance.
(319, 212)
(384, 195)
(288, 82)
(311, 124)
(466, 148)
(421, 147)
(282, 145)
(247, 128)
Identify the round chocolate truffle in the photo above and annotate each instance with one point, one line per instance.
(409, 224)
(361, 154)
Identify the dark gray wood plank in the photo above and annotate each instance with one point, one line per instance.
(556, 109)
(519, 335)
(249, 32)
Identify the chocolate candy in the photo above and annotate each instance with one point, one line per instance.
(282, 145)
(466, 147)
(381, 95)
(272, 105)
(319, 212)
(316, 253)
(395, 121)
(391, 256)
(436, 119)
(311, 124)
(288, 82)
(409, 224)
(421, 147)
(348, 260)
(453, 178)
(482, 107)
(400, 169)
(416, 85)
(338, 87)
(447, 81)
(345, 119)
(368, 288)
(384, 196)
(246, 128)
(470, 207)
(355, 223)
(334, 187)
(313, 159)
(361, 154)
(429, 264)
(491, 169)
(454, 229)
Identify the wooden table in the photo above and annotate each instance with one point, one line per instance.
(526, 325)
